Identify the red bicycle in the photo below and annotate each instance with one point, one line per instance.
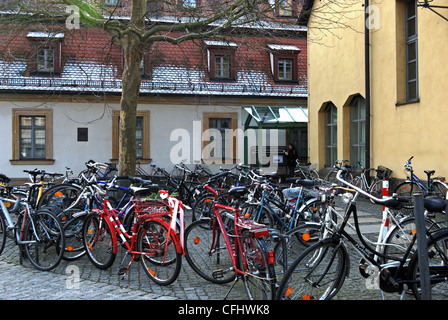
(228, 246)
(155, 239)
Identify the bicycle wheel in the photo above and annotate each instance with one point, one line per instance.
(376, 189)
(74, 247)
(60, 197)
(296, 241)
(163, 260)
(99, 241)
(400, 236)
(203, 208)
(206, 252)
(2, 233)
(438, 268)
(45, 232)
(253, 259)
(405, 190)
(317, 274)
(439, 190)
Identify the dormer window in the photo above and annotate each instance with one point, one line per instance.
(46, 53)
(284, 60)
(221, 59)
(287, 8)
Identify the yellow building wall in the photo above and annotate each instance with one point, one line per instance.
(336, 74)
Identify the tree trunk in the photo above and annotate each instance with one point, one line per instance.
(131, 78)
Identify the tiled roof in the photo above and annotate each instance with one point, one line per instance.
(90, 63)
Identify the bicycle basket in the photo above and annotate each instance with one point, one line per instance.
(383, 172)
(147, 209)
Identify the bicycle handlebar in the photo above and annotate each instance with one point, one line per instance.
(375, 199)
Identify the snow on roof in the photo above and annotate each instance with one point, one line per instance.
(283, 47)
(220, 43)
(34, 34)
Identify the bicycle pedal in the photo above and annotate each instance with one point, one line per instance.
(217, 274)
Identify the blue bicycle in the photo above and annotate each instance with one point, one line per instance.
(435, 187)
(273, 212)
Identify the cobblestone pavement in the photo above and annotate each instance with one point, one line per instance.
(23, 282)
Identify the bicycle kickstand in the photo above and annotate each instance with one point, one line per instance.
(122, 271)
(233, 284)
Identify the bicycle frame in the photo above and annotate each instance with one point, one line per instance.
(296, 211)
(238, 247)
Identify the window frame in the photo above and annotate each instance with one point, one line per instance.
(294, 9)
(358, 142)
(332, 126)
(409, 41)
(145, 115)
(206, 116)
(17, 113)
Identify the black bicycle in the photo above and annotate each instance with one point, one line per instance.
(320, 271)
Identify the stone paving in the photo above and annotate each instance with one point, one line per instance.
(80, 280)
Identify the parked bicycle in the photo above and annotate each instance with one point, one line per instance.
(229, 247)
(305, 172)
(154, 239)
(320, 271)
(38, 233)
(374, 185)
(436, 187)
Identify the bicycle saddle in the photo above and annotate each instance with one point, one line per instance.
(430, 172)
(300, 181)
(238, 192)
(434, 204)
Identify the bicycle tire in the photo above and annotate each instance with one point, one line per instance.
(59, 197)
(46, 232)
(99, 241)
(253, 259)
(405, 190)
(325, 261)
(3, 233)
(206, 252)
(438, 268)
(74, 246)
(164, 261)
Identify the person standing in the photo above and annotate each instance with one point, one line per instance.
(291, 157)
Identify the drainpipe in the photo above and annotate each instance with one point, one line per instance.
(367, 80)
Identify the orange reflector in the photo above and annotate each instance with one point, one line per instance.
(208, 200)
(306, 237)
(7, 204)
(306, 297)
(59, 194)
(151, 272)
(89, 231)
(70, 248)
(64, 218)
(288, 292)
(414, 231)
(197, 240)
(90, 247)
